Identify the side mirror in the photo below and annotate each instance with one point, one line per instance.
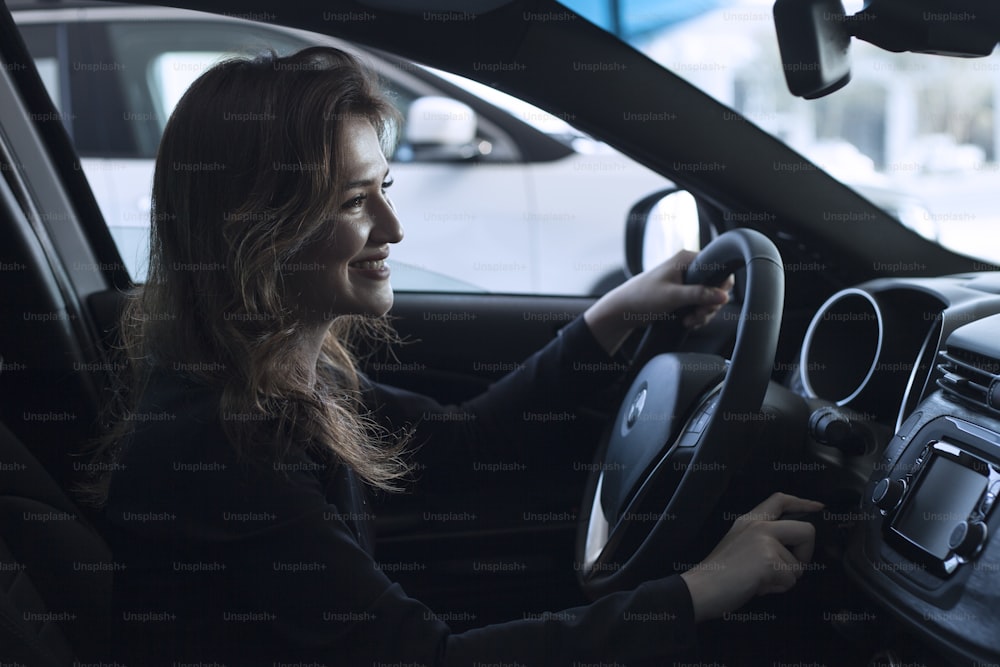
(658, 227)
(439, 129)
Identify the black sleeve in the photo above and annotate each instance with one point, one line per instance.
(291, 584)
(226, 562)
(516, 420)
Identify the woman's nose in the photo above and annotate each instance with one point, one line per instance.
(387, 226)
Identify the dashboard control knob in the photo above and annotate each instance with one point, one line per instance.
(833, 426)
(887, 493)
(968, 538)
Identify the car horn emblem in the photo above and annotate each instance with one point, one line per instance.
(635, 409)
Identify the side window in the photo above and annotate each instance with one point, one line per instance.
(160, 59)
(521, 203)
(549, 221)
(42, 44)
(418, 102)
(171, 73)
(153, 63)
(48, 69)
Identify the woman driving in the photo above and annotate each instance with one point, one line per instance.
(247, 439)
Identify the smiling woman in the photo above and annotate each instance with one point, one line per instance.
(346, 273)
(257, 244)
(246, 437)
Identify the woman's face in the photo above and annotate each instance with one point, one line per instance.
(348, 274)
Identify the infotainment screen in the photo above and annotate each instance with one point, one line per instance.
(945, 496)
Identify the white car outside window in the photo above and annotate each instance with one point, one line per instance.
(501, 220)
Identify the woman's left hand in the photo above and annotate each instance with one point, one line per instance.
(649, 297)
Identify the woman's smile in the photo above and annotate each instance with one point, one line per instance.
(373, 266)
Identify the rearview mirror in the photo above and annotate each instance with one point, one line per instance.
(814, 35)
(658, 227)
(814, 40)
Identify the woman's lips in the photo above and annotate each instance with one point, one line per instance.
(373, 268)
(369, 264)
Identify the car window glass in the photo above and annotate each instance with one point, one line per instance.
(158, 56)
(553, 124)
(525, 206)
(48, 70)
(171, 73)
(41, 42)
(916, 134)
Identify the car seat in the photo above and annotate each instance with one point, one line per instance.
(55, 569)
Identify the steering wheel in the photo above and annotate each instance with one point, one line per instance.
(681, 430)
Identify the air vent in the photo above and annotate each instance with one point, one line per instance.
(970, 377)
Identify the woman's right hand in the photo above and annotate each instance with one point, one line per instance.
(759, 555)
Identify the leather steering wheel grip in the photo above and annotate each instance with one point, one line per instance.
(764, 299)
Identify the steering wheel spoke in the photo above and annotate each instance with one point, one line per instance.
(656, 406)
(651, 491)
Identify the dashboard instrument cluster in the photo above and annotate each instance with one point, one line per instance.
(922, 357)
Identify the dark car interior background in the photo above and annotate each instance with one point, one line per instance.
(881, 400)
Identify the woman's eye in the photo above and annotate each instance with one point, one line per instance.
(358, 201)
(355, 202)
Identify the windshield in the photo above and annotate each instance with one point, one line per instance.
(918, 135)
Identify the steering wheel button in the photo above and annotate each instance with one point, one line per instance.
(698, 425)
(689, 439)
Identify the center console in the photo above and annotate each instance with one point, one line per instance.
(928, 549)
(936, 499)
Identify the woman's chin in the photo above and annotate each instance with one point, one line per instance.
(375, 305)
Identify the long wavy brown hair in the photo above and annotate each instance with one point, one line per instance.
(230, 214)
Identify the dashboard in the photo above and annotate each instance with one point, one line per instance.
(907, 376)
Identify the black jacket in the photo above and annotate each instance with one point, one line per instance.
(229, 563)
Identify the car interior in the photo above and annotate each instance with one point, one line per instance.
(867, 354)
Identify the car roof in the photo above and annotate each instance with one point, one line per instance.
(19, 5)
